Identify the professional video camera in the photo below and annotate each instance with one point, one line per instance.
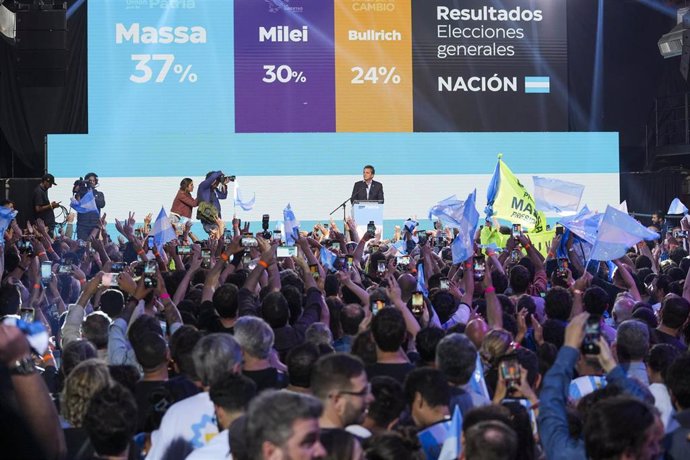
(81, 187)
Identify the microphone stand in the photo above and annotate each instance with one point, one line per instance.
(342, 205)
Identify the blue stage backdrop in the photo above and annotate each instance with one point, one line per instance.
(296, 96)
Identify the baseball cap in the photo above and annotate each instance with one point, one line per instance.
(49, 177)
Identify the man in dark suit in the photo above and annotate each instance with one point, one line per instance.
(367, 189)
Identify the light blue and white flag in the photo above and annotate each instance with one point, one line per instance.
(677, 207)
(421, 282)
(87, 203)
(467, 218)
(162, 230)
(410, 225)
(617, 232)
(557, 196)
(433, 438)
(584, 224)
(448, 211)
(291, 226)
(452, 447)
(401, 247)
(327, 259)
(241, 201)
(6, 216)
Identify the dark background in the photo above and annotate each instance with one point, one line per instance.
(633, 74)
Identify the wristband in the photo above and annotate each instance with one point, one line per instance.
(263, 263)
(489, 290)
(224, 257)
(141, 252)
(468, 265)
(82, 282)
(50, 249)
(37, 286)
(527, 246)
(41, 254)
(551, 255)
(490, 253)
(164, 296)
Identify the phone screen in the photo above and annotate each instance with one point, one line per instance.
(150, 270)
(27, 314)
(118, 267)
(314, 270)
(517, 230)
(46, 270)
(590, 343)
(510, 371)
(286, 251)
(444, 284)
(183, 250)
(335, 245)
(381, 267)
(377, 306)
(109, 279)
(150, 243)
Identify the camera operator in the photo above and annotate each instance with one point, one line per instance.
(87, 221)
(213, 189)
(43, 207)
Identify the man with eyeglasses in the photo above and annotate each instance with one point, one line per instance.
(340, 382)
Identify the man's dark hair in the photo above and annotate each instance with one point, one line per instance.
(527, 302)
(111, 420)
(225, 301)
(678, 381)
(530, 362)
(519, 279)
(272, 414)
(430, 383)
(151, 351)
(607, 437)
(94, 328)
(233, 392)
(632, 341)
(558, 303)
(484, 413)
(141, 326)
(426, 341)
(389, 400)
(677, 254)
(112, 302)
(373, 171)
(275, 310)
(660, 358)
(333, 372)
(388, 328)
(75, 352)
(491, 440)
(444, 304)
(351, 316)
(456, 357)
(182, 343)
(9, 300)
(500, 281)
(554, 332)
(300, 363)
(294, 298)
(642, 261)
(596, 301)
(674, 312)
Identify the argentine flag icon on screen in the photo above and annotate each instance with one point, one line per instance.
(537, 85)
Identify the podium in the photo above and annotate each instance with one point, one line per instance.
(365, 211)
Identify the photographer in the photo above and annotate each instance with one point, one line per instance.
(87, 221)
(213, 189)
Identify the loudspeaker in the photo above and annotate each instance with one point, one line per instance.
(21, 191)
(41, 54)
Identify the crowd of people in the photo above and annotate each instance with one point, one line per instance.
(234, 346)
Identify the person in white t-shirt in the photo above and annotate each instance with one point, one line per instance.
(230, 397)
(191, 423)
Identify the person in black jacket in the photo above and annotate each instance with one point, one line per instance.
(367, 189)
(87, 221)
